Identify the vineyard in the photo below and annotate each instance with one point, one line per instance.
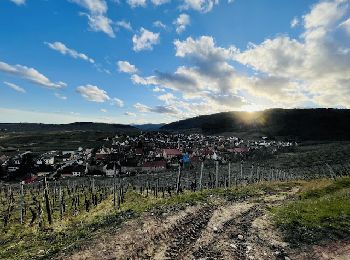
(46, 202)
(48, 209)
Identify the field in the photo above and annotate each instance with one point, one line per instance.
(231, 223)
(293, 205)
(40, 142)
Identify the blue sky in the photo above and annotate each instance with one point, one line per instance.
(137, 61)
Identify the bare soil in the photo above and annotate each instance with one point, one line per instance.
(219, 230)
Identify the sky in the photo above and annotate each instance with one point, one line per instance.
(159, 61)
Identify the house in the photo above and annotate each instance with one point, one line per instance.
(78, 170)
(240, 150)
(102, 154)
(3, 158)
(49, 160)
(72, 171)
(154, 166)
(171, 153)
(110, 169)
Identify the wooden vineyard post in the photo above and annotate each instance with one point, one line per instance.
(147, 184)
(216, 174)
(47, 202)
(229, 174)
(114, 188)
(40, 213)
(241, 171)
(54, 194)
(201, 176)
(271, 174)
(236, 177)
(178, 180)
(119, 196)
(157, 188)
(22, 202)
(61, 202)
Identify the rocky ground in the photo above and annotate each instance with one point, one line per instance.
(218, 229)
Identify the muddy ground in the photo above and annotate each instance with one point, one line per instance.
(220, 229)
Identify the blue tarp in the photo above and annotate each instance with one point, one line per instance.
(185, 158)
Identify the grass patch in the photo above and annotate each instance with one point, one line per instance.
(321, 213)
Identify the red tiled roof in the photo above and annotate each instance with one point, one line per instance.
(172, 151)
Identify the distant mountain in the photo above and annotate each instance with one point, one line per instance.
(149, 127)
(79, 126)
(302, 124)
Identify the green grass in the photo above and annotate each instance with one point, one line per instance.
(321, 213)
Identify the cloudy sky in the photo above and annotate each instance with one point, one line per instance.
(137, 61)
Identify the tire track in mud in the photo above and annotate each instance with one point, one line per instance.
(186, 232)
(170, 242)
(240, 232)
(209, 245)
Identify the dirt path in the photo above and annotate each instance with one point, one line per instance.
(220, 230)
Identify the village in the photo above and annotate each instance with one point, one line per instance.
(144, 153)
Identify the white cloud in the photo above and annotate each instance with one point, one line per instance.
(145, 40)
(15, 87)
(202, 6)
(18, 2)
(157, 89)
(30, 74)
(93, 6)
(167, 97)
(182, 22)
(129, 114)
(315, 67)
(98, 21)
(157, 109)
(126, 67)
(103, 110)
(117, 102)
(346, 25)
(160, 2)
(125, 25)
(295, 22)
(142, 108)
(63, 49)
(136, 3)
(159, 24)
(93, 93)
(325, 14)
(60, 96)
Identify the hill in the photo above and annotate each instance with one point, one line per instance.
(301, 124)
(149, 127)
(78, 126)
